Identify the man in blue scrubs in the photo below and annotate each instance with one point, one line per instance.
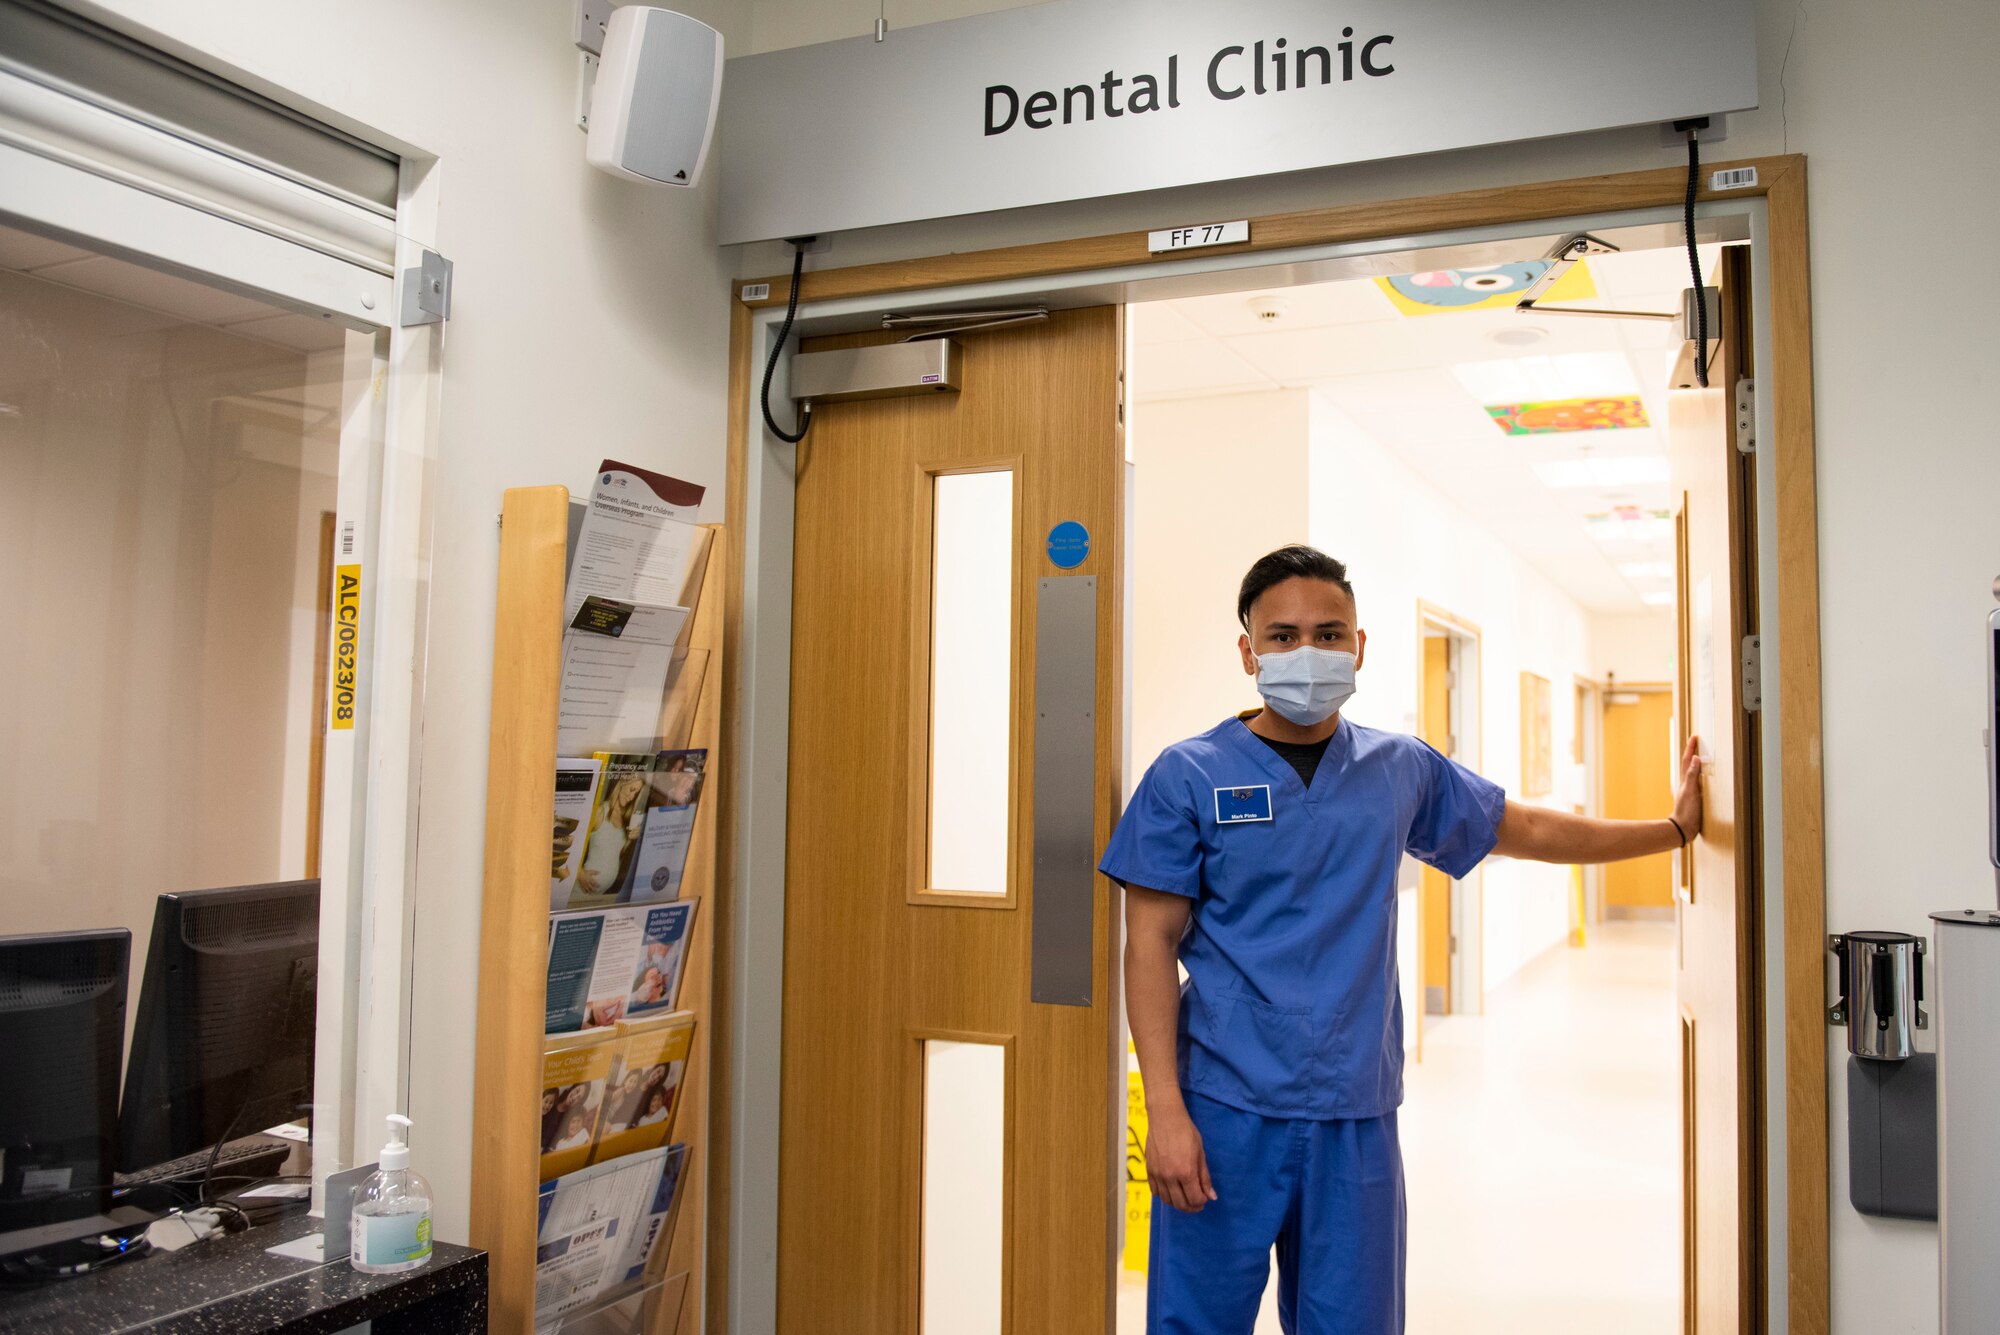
(1263, 855)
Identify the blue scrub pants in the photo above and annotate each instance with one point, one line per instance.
(1327, 1194)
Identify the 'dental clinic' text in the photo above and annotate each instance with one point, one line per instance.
(1232, 72)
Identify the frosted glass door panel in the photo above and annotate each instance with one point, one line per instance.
(965, 1180)
(972, 661)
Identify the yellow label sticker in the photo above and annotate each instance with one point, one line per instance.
(346, 645)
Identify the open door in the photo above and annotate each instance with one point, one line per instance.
(1716, 879)
(1434, 946)
(951, 1156)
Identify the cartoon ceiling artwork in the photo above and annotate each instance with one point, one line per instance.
(1438, 290)
(1553, 415)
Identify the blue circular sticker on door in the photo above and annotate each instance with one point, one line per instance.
(1069, 543)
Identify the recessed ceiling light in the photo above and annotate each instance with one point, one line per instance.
(1618, 470)
(1646, 570)
(1657, 599)
(1517, 335)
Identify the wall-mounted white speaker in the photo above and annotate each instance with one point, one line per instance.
(652, 111)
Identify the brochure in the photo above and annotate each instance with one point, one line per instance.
(592, 957)
(645, 1085)
(600, 1227)
(574, 1075)
(576, 795)
(617, 658)
(656, 976)
(638, 539)
(607, 964)
(671, 804)
(617, 818)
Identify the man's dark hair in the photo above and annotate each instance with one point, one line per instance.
(1289, 562)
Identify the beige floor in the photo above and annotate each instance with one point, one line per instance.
(1541, 1148)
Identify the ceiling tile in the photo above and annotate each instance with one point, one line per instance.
(1156, 322)
(24, 250)
(1308, 356)
(293, 331)
(1194, 366)
(1308, 307)
(194, 302)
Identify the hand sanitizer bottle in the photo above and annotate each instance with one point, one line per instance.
(392, 1212)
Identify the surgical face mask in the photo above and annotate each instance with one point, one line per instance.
(1306, 685)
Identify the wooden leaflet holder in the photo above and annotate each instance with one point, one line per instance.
(514, 923)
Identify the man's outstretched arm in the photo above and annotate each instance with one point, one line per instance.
(1543, 834)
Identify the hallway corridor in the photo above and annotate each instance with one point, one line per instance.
(1542, 1150)
(1541, 1145)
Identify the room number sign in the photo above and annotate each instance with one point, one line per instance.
(1199, 235)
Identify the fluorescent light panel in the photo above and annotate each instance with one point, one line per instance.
(1657, 598)
(1646, 570)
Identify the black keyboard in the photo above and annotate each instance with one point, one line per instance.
(194, 1165)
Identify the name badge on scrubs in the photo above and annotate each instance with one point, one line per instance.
(1236, 805)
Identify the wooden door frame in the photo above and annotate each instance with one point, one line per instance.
(1431, 615)
(1588, 751)
(1780, 181)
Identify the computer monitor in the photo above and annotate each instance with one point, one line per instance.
(62, 1030)
(223, 1044)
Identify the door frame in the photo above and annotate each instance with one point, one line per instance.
(1587, 701)
(1790, 975)
(1468, 894)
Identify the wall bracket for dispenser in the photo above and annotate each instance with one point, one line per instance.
(427, 291)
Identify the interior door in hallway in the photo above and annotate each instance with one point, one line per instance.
(1638, 785)
(1433, 886)
(951, 1157)
(1723, 1243)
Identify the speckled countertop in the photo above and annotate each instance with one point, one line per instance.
(229, 1285)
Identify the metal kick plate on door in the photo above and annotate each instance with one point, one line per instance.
(1065, 790)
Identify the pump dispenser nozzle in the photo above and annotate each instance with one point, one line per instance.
(396, 1154)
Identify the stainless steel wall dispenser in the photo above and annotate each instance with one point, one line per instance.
(1892, 1121)
(1881, 992)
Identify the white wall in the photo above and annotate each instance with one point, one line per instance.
(1405, 542)
(590, 319)
(1890, 103)
(1632, 648)
(1216, 484)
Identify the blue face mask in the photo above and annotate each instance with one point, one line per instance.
(1306, 685)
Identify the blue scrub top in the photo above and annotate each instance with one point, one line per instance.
(1291, 1007)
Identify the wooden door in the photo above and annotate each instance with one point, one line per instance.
(1433, 886)
(1639, 753)
(895, 966)
(1717, 881)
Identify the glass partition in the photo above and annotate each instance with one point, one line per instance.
(189, 622)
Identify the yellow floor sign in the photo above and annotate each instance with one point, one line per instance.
(1138, 1196)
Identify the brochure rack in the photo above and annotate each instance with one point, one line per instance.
(514, 931)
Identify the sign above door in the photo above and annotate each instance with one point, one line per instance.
(1086, 98)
